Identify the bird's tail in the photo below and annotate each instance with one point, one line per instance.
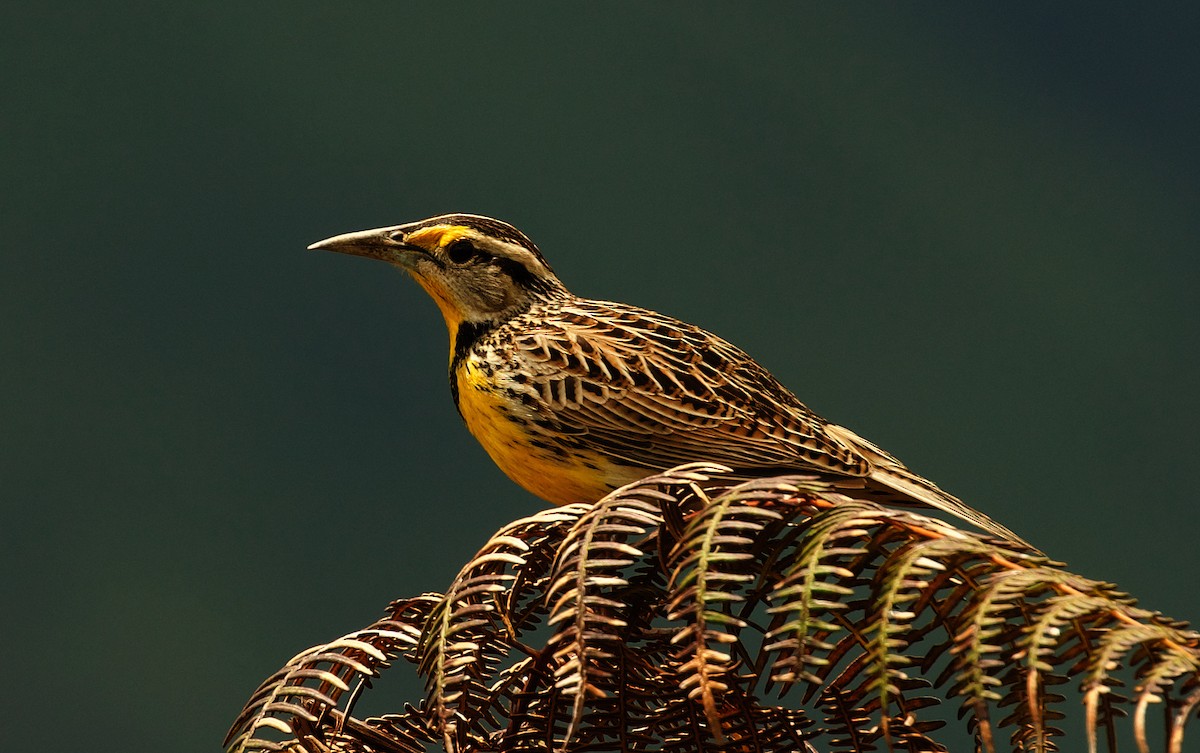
(890, 473)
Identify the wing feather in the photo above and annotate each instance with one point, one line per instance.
(624, 378)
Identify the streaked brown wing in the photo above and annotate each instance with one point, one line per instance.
(658, 392)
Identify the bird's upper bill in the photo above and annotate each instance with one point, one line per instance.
(390, 244)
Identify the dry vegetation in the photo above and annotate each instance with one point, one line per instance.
(773, 616)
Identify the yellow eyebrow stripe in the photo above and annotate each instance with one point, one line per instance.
(437, 236)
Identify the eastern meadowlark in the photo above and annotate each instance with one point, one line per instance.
(573, 397)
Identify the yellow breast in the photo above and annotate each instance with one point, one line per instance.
(552, 470)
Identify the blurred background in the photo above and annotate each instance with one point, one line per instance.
(969, 235)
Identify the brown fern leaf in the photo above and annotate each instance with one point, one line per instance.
(1167, 660)
(1103, 706)
(311, 684)
(749, 727)
(1183, 710)
(710, 566)
(539, 712)
(587, 591)
(905, 584)
(847, 726)
(407, 732)
(468, 632)
(1055, 625)
(985, 639)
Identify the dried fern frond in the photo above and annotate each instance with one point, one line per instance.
(690, 614)
(304, 692)
(474, 626)
(710, 566)
(585, 592)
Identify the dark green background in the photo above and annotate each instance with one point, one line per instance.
(970, 235)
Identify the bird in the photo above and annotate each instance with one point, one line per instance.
(573, 397)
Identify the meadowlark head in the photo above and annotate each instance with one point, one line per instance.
(478, 270)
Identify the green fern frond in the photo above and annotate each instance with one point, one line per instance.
(813, 589)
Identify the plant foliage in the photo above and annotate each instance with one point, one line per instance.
(774, 615)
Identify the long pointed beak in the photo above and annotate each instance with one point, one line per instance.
(385, 243)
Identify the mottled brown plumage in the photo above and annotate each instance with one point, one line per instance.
(574, 397)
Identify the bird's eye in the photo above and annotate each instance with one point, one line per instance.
(462, 251)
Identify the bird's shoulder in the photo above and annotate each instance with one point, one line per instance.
(642, 354)
(634, 348)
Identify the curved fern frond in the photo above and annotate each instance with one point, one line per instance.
(586, 590)
(710, 565)
(467, 636)
(1040, 652)
(813, 589)
(312, 683)
(984, 636)
(1166, 661)
(905, 582)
